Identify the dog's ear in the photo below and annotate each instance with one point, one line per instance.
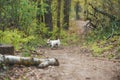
(48, 40)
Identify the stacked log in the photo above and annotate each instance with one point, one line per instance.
(6, 49)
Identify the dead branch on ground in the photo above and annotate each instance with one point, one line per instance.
(28, 61)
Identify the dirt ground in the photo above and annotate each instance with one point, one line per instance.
(75, 64)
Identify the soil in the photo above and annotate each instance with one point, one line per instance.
(76, 63)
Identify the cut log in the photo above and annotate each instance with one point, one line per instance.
(6, 49)
(28, 61)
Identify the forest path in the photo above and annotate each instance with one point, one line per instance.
(76, 65)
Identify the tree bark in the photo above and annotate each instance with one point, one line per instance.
(48, 15)
(39, 16)
(58, 16)
(66, 10)
(77, 10)
(28, 61)
(85, 10)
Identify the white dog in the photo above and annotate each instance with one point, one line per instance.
(53, 43)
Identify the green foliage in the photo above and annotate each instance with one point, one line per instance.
(42, 31)
(100, 48)
(55, 33)
(41, 10)
(21, 41)
(117, 56)
(6, 78)
(119, 46)
(16, 38)
(69, 38)
(27, 13)
(110, 56)
(100, 14)
(97, 51)
(28, 16)
(26, 54)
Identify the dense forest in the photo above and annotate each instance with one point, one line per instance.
(59, 39)
(27, 24)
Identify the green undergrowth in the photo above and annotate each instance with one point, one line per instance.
(67, 38)
(108, 48)
(70, 39)
(28, 43)
(15, 37)
(99, 48)
(20, 40)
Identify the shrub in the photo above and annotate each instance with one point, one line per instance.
(16, 38)
(119, 46)
(100, 48)
(97, 51)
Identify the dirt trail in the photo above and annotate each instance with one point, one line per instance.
(74, 65)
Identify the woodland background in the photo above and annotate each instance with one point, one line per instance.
(27, 24)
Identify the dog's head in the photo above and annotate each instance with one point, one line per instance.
(48, 41)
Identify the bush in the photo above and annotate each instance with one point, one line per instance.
(66, 37)
(100, 47)
(119, 46)
(97, 51)
(15, 37)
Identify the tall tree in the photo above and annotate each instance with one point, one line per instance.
(41, 10)
(2, 17)
(48, 15)
(58, 15)
(38, 12)
(14, 13)
(66, 13)
(77, 10)
(85, 9)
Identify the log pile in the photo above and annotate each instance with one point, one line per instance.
(6, 49)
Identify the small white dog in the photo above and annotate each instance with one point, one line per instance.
(53, 43)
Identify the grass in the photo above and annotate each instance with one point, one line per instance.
(105, 48)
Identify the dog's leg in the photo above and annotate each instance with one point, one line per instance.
(52, 45)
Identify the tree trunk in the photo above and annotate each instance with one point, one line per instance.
(77, 10)
(28, 61)
(6, 49)
(39, 16)
(48, 15)
(85, 9)
(58, 16)
(66, 10)
(14, 14)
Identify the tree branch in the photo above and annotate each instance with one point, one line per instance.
(112, 17)
(112, 35)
